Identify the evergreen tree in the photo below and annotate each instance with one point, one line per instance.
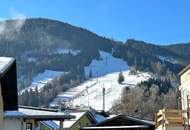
(90, 74)
(121, 78)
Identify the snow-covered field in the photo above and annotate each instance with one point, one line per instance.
(105, 73)
(42, 79)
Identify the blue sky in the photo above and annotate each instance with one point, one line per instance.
(156, 21)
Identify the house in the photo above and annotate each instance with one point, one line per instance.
(82, 119)
(177, 119)
(123, 122)
(11, 116)
(185, 88)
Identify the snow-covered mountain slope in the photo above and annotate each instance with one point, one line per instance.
(168, 59)
(107, 64)
(90, 93)
(66, 51)
(42, 79)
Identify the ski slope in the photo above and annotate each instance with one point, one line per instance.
(93, 96)
(42, 79)
(107, 64)
(105, 73)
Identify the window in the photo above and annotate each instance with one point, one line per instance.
(28, 126)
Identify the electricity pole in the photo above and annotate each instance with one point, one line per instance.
(103, 89)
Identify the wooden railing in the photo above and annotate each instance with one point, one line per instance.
(172, 117)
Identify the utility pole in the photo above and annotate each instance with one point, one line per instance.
(103, 89)
(88, 97)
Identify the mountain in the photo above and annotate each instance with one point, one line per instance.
(41, 44)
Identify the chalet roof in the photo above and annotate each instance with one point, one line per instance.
(5, 62)
(24, 113)
(184, 70)
(122, 119)
(69, 123)
(115, 127)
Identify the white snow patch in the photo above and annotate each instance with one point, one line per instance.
(42, 79)
(107, 64)
(168, 59)
(4, 62)
(66, 51)
(31, 59)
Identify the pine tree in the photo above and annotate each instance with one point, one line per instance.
(120, 78)
(90, 74)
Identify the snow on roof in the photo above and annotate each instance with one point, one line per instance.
(69, 123)
(29, 113)
(99, 118)
(51, 124)
(5, 62)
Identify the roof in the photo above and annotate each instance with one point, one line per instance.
(184, 70)
(5, 62)
(137, 120)
(69, 123)
(24, 113)
(38, 108)
(50, 124)
(115, 127)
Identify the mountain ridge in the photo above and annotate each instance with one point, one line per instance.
(37, 38)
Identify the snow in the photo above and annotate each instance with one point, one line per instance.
(100, 118)
(107, 64)
(168, 59)
(69, 123)
(113, 90)
(13, 113)
(47, 75)
(66, 51)
(72, 93)
(31, 59)
(4, 62)
(50, 123)
(90, 92)
(42, 79)
(105, 73)
(32, 112)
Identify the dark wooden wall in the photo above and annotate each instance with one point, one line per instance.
(8, 80)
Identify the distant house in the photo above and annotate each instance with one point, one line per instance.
(11, 116)
(82, 119)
